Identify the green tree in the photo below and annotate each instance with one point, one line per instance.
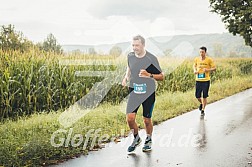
(217, 49)
(77, 52)
(233, 54)
(168, 52)
(92, 51)
(115, 51)
(236, 14)
(51, 45)
(13, 40)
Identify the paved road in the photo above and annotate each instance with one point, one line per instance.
(222, 138)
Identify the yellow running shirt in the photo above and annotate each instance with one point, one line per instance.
(200, 65)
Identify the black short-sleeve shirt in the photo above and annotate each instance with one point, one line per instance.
(150, 63)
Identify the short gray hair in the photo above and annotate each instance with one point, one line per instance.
(139, 37)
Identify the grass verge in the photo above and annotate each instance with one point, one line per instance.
(27, 141)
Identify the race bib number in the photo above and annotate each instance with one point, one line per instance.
(139, 88)
(202, 76)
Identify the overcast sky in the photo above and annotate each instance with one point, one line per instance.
(108, 21)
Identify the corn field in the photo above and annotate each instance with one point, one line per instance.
(36, 82)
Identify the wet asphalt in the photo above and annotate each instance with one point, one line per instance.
(222, 138)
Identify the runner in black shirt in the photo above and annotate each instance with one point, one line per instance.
(142, 71)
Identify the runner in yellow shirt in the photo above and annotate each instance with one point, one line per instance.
(202, 67)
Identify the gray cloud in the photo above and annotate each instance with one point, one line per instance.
(140, 8)
(148, 9)
(77, 21)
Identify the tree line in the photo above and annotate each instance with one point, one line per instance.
(12, 40)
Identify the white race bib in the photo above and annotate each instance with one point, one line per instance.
(140, 88)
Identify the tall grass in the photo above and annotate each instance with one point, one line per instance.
(35, 82)
(31, 83)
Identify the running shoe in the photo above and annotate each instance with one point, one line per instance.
(200, 107)
(147, 145)
(202, 112)
(136, 142)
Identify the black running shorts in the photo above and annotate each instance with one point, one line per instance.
(202, 87)
(135, 100)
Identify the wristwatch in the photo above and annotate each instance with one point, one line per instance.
(151, 75)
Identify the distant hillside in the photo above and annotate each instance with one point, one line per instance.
(218, 45)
